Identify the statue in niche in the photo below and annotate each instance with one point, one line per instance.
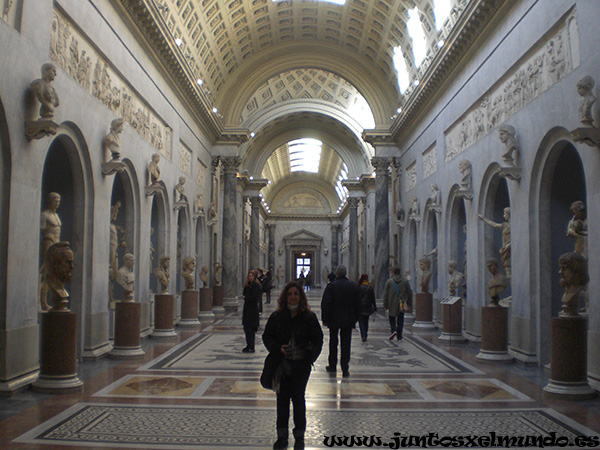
(280, 276)
(204, 276)
(152, 250)
(508, 136)
(198, 206)
(162, 274)
(180, 189)
(577, 228)
(584, 88)
(456, 279)
(465, 190)
(505, 250)
(113, 262)
(425, 266)
(218, 274)
(464, 228)
(498, 283)
(48, 98)
(212, 211)
(50, 225)
(154, 171)
(112, 141)
(435, 199)
(414, 212)
(188, 268)
(58, 269)
(399, 213)
(126, 277)
(574, 278)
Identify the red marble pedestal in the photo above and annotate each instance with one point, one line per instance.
(206, 305)
(494, 335)
(127, 331)
(217, 295)
(189, 309)
(424, 311)
(58, 354)
(568, 359)
(452, 321)
(164, 305)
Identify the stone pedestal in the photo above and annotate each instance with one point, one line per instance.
(189, 309)
(58, 354)
(164, 305)
(452, 323)
(127, 331)
(568, 359)
(206, 305)
(494, 335)
(424, 311)
(217, 296)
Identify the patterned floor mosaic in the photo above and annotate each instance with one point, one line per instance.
(221, 351)
(236, 388)
(159, 427)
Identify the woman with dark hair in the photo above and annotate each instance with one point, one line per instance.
(293, 332)
(367, 304)
(250, 315)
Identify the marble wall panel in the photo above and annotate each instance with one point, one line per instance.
(411, 176)
(185, 159)
(430, 161)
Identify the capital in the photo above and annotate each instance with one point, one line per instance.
(231, 164)
(381, 165)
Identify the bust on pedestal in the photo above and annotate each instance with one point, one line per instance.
(164, 302)
(58, 349)
(189, 297)
(452, 307)
(424, 299)
(218, 291)
(48, 98)
(206, 298)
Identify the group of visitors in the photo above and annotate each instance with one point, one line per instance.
(305, 280)
(294, 338)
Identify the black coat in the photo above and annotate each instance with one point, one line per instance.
(250, 316)
(340, 305)
(266, 283)
(367, 299)
(305, 328)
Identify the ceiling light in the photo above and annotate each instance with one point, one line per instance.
(178, 41)
(416, 83)
(399, 110)
(252, 134)
(440, 43)
(252, 178)
(199, 81)
(215, 110)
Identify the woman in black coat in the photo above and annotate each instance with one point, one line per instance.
(293, 332)
(250, 316)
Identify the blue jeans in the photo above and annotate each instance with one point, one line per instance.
(397, 324)
(363, 324)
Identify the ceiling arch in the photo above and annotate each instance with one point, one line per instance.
(295, 193)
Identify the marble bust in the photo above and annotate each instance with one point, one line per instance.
(112, 141)
(126, 277)
(465, 171)
(181, 190)
(577, 228)
(573, 271)
(218, 274)
(425, 266)
(58, 269)
(154, 169)
(584, 89)
(498, 283)
(204, 276)
(45, 93)
(456, 278)
(508, 136)
(162, 274)
(188, 269)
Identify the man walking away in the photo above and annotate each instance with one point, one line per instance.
(397, 299)
(340, 308)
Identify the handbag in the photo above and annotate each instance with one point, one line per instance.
(267, 377)
(404, 308)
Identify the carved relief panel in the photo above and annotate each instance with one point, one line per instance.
(430, 161)
(185, 158)
(411, 176)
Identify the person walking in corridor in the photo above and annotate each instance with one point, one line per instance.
(397, 299)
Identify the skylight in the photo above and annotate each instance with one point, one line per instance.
(415, 29)
(342, 191)
(305, 155)
(400, 65)
(442, 11)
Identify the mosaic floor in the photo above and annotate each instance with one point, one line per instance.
(199, 391)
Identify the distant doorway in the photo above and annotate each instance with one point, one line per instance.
(303, 264)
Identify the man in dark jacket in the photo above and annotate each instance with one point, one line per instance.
(340, 308)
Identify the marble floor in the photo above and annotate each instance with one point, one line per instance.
(198, 391)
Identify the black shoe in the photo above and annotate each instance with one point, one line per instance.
(346, 374)
(280, 443)
(247, 350)
(299, 444)
(330, 369)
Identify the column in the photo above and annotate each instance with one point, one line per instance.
(254, 256)
(353, 242)
(382, 223)
(334, 246)
(271, 255)
(229, 235)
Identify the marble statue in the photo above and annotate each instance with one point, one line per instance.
(212, 211)
(204, 276)
(425, 266)
(399, 212)
(162, 274)
(181, 190)
(407, 274)
(113, 263)
(498, 283)
(584, 88)
(153, 169)
(152, 249)
(505, 250)
(198, 206)
(573, 271)
(508, 136)
(188, 269)
(126, 277)
(112, 141)
(58, 269)
(45, 93)
(577, 228)
(455, 281)
(50, 225)
(465, 171)
(218, 274)
(435, 202)
(414, 211)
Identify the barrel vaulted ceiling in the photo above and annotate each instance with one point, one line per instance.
(251, 68)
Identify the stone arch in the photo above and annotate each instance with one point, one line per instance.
(455, 239)
(159, 230)
(5, 174)
(183, 244)
(67, 168)
(202, 246)
(430, 242)
(556, 162)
